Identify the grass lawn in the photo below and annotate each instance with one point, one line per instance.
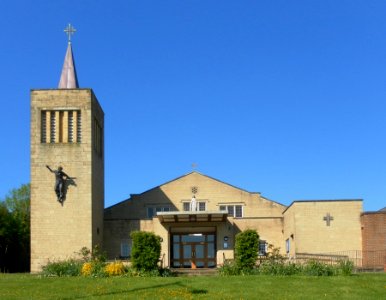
(25, 286)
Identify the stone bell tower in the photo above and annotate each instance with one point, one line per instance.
(67, 168)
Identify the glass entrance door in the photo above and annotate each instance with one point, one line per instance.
(195, 250)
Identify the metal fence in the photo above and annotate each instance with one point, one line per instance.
(361, 259)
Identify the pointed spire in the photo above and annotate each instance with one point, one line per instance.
(68, 78)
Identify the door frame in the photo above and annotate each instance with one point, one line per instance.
(181, 261)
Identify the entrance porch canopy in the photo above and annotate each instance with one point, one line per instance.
(192, 216)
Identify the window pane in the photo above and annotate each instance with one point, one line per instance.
(157, 209)
(201, 206)
(239, 211)
(150, 212)
(211, 252)
(125, 248)
(223, 207)
(231, 210)
(190, 238)
(186, 206)
(167, 208)
(262, 248)
(176, 251)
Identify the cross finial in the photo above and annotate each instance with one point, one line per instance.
(69, 30)
(194, 166)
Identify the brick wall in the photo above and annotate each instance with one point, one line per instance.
(374, 238)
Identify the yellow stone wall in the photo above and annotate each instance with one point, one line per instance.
(304, 220)
(57, 231)
(258, 213)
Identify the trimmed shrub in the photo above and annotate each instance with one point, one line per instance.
(146, 250)
(246, 249)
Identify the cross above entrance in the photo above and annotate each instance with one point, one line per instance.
(328, 218)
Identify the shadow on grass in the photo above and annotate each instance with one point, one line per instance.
(178, 284)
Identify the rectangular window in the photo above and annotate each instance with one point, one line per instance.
(150, 212)
(287, 245)
(125, 248)
(231, 210)
(262, 247)
(235, 211)
(98, 137)
(238, 211)
(201, 206)
(186, 206)
(70, 126)
(60, 126)
(44, 127)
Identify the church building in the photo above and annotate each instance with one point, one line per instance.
(196, 216)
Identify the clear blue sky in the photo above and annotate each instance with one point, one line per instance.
(286, 98)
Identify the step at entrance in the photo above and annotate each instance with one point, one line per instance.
(195, 272)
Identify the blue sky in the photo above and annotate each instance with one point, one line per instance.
(286, 98)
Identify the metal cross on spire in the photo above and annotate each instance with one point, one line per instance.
(69, 30)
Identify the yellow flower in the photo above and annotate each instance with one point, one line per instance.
(115, 268)
(86, 269)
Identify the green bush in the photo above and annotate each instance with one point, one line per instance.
(229, 268)
(272, 267)
(346, 267)
(146, 250)
(316, 268)
(246, 249)
(70, 267)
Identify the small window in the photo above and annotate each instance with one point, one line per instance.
(287, 245)
(201, 206)
(125, 248)
(153, 210)
(235, 211)
(262, 247)
(238, 211)
(98, 137)
(231, 210)
(150, 212)
(186, 206)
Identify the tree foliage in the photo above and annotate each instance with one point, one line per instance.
(15, 230)
(146, 250)
(246, 249)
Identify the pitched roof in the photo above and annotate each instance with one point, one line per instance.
(195, 172)
(68, 78)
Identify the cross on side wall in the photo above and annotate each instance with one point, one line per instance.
(328, 218)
